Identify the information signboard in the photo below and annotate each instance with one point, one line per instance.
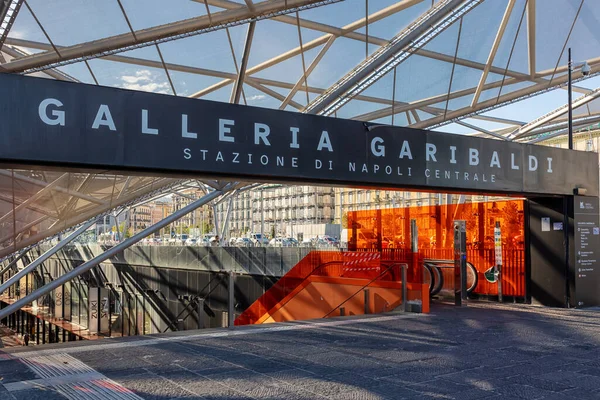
(587, 248)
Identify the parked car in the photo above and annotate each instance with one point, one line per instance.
(292, 241)
(244, 242)
(279, 242)
(191, 242)
(333, 242)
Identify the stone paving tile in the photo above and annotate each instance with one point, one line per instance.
(546, 384)
(577, 380)
(507, 352)
(579, 394)
(518, 391)
(242, 380)
(440, 387)
(476, 394)
(151, 387)
(15, 371)
(196, 385)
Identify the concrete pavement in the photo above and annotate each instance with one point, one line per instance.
(483, 351)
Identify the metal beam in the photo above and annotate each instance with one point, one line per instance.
(259, 82)
(475, 112)
(9, 9)
(53, 73)
(494, 103)
(561, 127)
(309, 70)
(162, 185)
(55, 188)
(236, 92)
(273, 94)
(565, 131)
(552, 115)
(107, 254)
(13, 262)
(33, 198)
(494, 49)
(227, 215)
(49, 253)
(160, 34)
(482, 130)
(346, 31)
(531, 36)
(425, 28)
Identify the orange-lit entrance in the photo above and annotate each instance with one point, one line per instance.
(388, 231)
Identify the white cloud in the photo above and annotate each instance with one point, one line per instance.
(146, 81)
(256, 97)
(19, 34)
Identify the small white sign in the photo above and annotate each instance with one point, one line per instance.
(546, 224)
(557, 226)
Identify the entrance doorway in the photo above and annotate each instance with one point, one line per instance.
(389, 232)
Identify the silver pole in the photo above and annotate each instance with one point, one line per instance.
(262, 217)
(49, 253)
(414, 236)
(109, 253)
(224, 232)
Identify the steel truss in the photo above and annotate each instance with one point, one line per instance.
(160, 34)
(414, 37)
(59, 281)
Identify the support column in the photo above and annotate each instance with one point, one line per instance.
(231, 300)
(200, 311)
(460, 263)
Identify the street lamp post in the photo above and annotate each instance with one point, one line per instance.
(585, 70)
(570, 117)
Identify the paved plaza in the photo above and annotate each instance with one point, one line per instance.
(478, 352)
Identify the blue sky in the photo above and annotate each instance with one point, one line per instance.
(69, 22)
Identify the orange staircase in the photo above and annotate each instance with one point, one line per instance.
(324, 282)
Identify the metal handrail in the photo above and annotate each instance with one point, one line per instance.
(372, 280)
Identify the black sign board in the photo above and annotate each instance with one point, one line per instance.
(70, 125)
(587, 251)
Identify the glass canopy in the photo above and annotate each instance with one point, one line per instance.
(496, 68)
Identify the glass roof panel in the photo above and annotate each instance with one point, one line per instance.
(337, 14)
(479, 29)
(47, 202)
(341, 57)
(510, 44)
(210, 51)
(552, 28)
(392, 25)
(25, 27)
(70, 22)
(148, 13)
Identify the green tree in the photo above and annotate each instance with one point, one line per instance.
(207, 227)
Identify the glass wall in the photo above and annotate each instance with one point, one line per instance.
(388, 230)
